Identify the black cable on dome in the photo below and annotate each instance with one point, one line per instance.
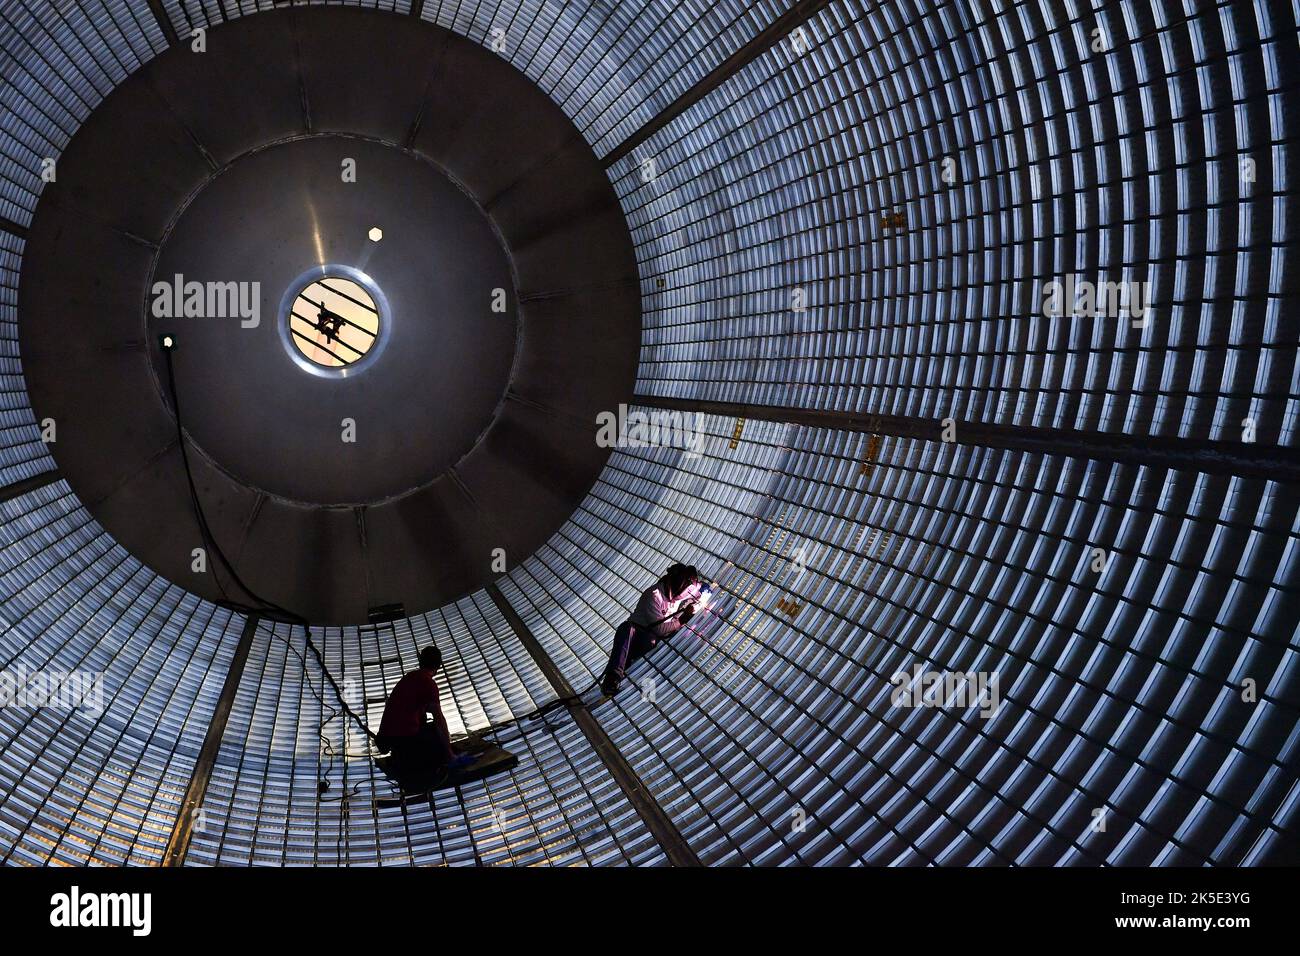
(262, 604)
(293, 618)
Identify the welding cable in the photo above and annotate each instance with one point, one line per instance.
(578, 698)
(492, 733)
(293, 618)
(261, 604)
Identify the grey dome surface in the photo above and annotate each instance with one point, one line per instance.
(844, 217)
(445, 433)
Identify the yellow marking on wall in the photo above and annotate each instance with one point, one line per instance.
(789, 607)
(874, 444)
(736, 432)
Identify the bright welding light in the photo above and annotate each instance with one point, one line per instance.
(705, 594)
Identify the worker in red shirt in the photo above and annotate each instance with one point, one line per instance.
(420, 749)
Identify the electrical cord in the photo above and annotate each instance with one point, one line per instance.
(261, 606)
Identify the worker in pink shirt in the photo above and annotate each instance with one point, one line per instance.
(663, 609)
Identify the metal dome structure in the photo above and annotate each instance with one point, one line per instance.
(849, 244)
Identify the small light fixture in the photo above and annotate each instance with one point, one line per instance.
(376, 233)
(167, 341)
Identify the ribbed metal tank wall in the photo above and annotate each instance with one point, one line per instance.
(803, 243)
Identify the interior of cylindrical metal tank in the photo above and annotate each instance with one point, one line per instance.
(967, 325)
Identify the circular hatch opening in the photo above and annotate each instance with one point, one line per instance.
(334, 321)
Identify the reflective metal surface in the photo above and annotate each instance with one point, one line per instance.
(507, 274)
(1154, 686)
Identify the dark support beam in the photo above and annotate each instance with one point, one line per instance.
(781, 27)
(24, 485)
(417, 8)
(179, 843)
(11, 227)
(164, 22)
(1243, 459)
(679, 852)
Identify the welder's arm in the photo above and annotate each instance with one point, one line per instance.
(692, 597)
(666, 615)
